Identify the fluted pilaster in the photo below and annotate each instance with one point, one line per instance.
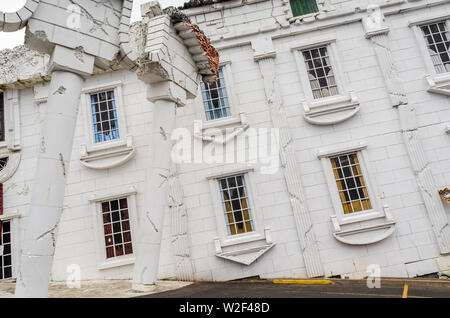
(291, 170)
(377, 32)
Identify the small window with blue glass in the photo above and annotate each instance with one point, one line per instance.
(104, 116)
(215, 98)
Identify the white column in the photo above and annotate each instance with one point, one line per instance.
(179, 228)
(49, 184)
(166, 96)
(265, 56)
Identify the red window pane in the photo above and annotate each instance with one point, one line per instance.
(108, 240)
(116, 227)
(109, 252)
(126, 225)
(128, 248)
(124, 214)
(127, 237)
(106, 218)
(119, 250)
(108, 229)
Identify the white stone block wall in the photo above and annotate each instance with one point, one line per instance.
(411, 250)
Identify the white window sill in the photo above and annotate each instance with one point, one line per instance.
(242, 238)
(309, 17)
(108, 155)
(239, 125)
(116, 262)
(439, 83)
(365, 232)
(360, 216)
(245, 249)
(223, 122)
(331, 110)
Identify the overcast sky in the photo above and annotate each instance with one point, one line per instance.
(10, 40)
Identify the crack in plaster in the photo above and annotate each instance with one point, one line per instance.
(163, 133)
(61, 159)
(165, 179)
(97, 25)
(52, 233)
(151, 222)
(60, 91)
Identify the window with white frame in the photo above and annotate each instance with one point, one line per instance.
(107, 143)
(114, 215)
(433, 38)
(241, 234)
(234, 195)
(5, 250)
(350, 183)
(327, 100)
(116, 226)
(437, 39)
(320, 72)
(215, 98)
(104, 116)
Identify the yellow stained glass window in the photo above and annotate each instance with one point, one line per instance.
(235, 204)
(350, 183)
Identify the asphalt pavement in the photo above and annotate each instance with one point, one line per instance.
(389, 288)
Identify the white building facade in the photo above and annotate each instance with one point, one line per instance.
(356, 96)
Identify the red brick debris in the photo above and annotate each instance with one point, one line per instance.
(205, 44)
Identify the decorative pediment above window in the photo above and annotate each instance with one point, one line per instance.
(245, 253)
(439, 84)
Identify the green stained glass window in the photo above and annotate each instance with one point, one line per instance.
(302, 7)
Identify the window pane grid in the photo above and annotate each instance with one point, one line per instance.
(215, 98)
(438, 39)
(350, 183)
(320, 73)
(104, 116)
(116, 226)
(235, 203)
(6, 258)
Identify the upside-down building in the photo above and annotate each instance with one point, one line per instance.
(322, 148)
